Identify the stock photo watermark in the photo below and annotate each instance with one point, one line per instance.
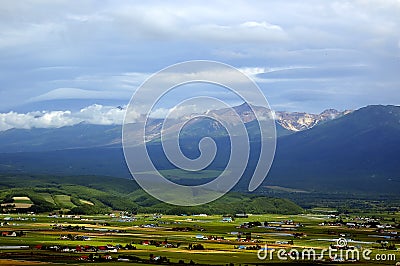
(138, 117)
(341, 252)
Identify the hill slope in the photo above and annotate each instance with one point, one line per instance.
(358, 151)
(98, 194)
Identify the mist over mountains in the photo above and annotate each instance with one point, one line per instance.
(332, 151)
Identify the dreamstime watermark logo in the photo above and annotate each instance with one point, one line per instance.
(339, 253)
(341, 243)
(139, 115)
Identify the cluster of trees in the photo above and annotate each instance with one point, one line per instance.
(106, 197)
(196, 246)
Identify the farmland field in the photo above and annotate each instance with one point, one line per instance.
(22, 202)
(201, 239)
(64, 201)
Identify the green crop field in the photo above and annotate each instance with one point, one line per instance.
(74, 220)
(171, 236)
(64, 201)
(47, 197)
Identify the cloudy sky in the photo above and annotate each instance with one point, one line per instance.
(305, 55)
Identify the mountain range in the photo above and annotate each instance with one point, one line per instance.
(348, 152)
(356, 152)
(86, 135)
(296, 121)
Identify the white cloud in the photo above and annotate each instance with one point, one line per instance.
(265, 25)
(101, 115)
(244, 32)
(94, 114)
(36, 119)
(75, 93)
(253, 71)
(159, 113)
(186, 110)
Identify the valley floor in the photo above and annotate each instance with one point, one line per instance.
(143, 239)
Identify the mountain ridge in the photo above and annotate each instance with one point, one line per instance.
(86, 135)
(355, 152)
(349, 152)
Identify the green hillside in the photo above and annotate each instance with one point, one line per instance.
(96, 194)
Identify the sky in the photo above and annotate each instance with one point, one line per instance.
(63, 61)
